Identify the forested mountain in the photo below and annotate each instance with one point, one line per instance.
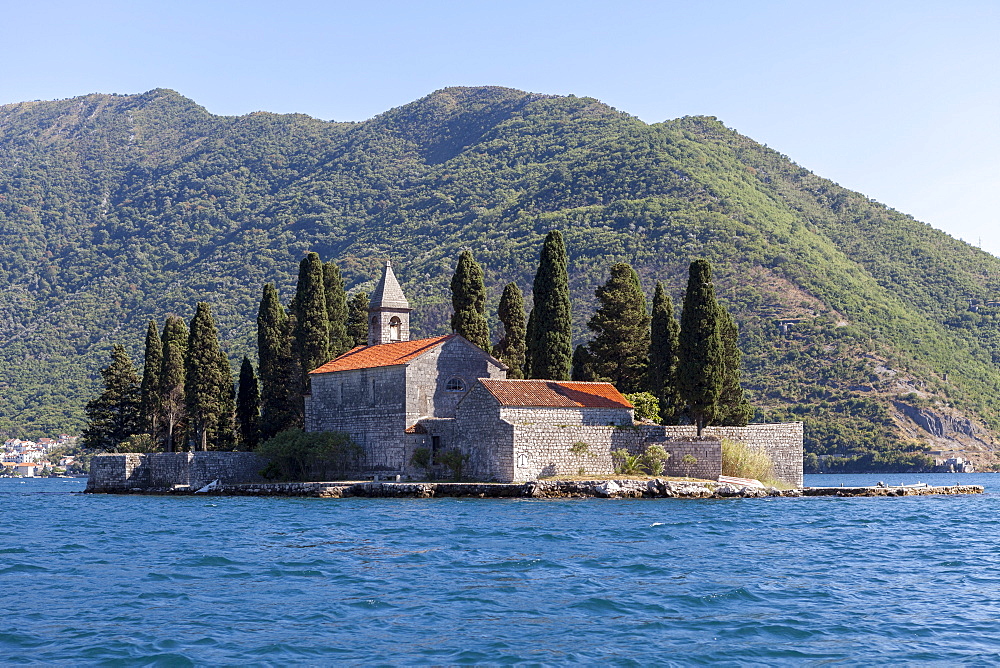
(872, 327)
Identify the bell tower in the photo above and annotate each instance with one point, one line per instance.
(388, 311)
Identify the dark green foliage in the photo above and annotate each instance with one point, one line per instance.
(357, 319)
(421, 458)
(275, 363)
(583, 365)
(311, 342)
(734, 408)
(701, 367)
(205, 386)
(336, 310)
(620, 350)
(551, 347)
(511, 348)
(530, 344)
(149, 401)
(225, 434)
(248, 407)
(296, 455)
(173, 405)
(114, 415)
(468, 299)
(455, 461)
(663, 348)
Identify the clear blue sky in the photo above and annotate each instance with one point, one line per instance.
(897, 99)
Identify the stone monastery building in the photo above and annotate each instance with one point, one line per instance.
(395, 395)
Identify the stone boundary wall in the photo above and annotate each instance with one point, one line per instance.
(165, 470)
(543, 450)
(781, 441)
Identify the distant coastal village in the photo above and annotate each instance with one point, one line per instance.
(42, 458)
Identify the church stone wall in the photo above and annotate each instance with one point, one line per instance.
(428, 376)
(367, 404)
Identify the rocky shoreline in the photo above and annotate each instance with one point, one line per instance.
(540, 489)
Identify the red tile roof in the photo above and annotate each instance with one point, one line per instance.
(386, 354)
(555, 394)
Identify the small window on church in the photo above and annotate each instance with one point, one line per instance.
(395, 329)
(455, 385)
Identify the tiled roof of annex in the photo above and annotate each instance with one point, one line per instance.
(555, 394)
(386, 354)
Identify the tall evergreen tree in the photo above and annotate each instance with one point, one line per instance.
(114, 414)
(701, 367)
(336, 310)
(734, 408)
(530, 345)
(511, 348)
(248, 407)
(311, 343)
(468, 298)
(203, 377)
(149, 400)
(224, 435)
(173, 409)
(620, 350)
(583, 368)
(663, 349)
(552, 330)
(295, 381)
(357, 319)
(275, 357)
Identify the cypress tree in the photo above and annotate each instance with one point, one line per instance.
(511, 348)
(734, 408)
(357, 319)
(620, 350)
(149, 400)
(468, 298)
(311, 343)
(275, 358)
(552, 331)
(336, 310)
(530, 345)
(173, 410)
(583, 368)
(663, 348)
(294, 380)
(701, 369)
(203, 376)
(114, 414)
(224, 435)
(248, 407)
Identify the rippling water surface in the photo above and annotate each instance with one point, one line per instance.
(128, 580)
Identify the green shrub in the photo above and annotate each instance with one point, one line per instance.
(421, 458)
(654, 458)
(580, 449)
(647, 406)
(688, 461)
(455, 461)
(741, 461)
(297, 455)
(650, 462)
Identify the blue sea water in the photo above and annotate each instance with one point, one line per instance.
(145, 580)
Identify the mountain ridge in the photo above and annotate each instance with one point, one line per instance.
(114, 209)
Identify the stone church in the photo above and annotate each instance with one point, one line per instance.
(395, 395)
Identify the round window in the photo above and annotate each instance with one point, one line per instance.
(455, 385)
